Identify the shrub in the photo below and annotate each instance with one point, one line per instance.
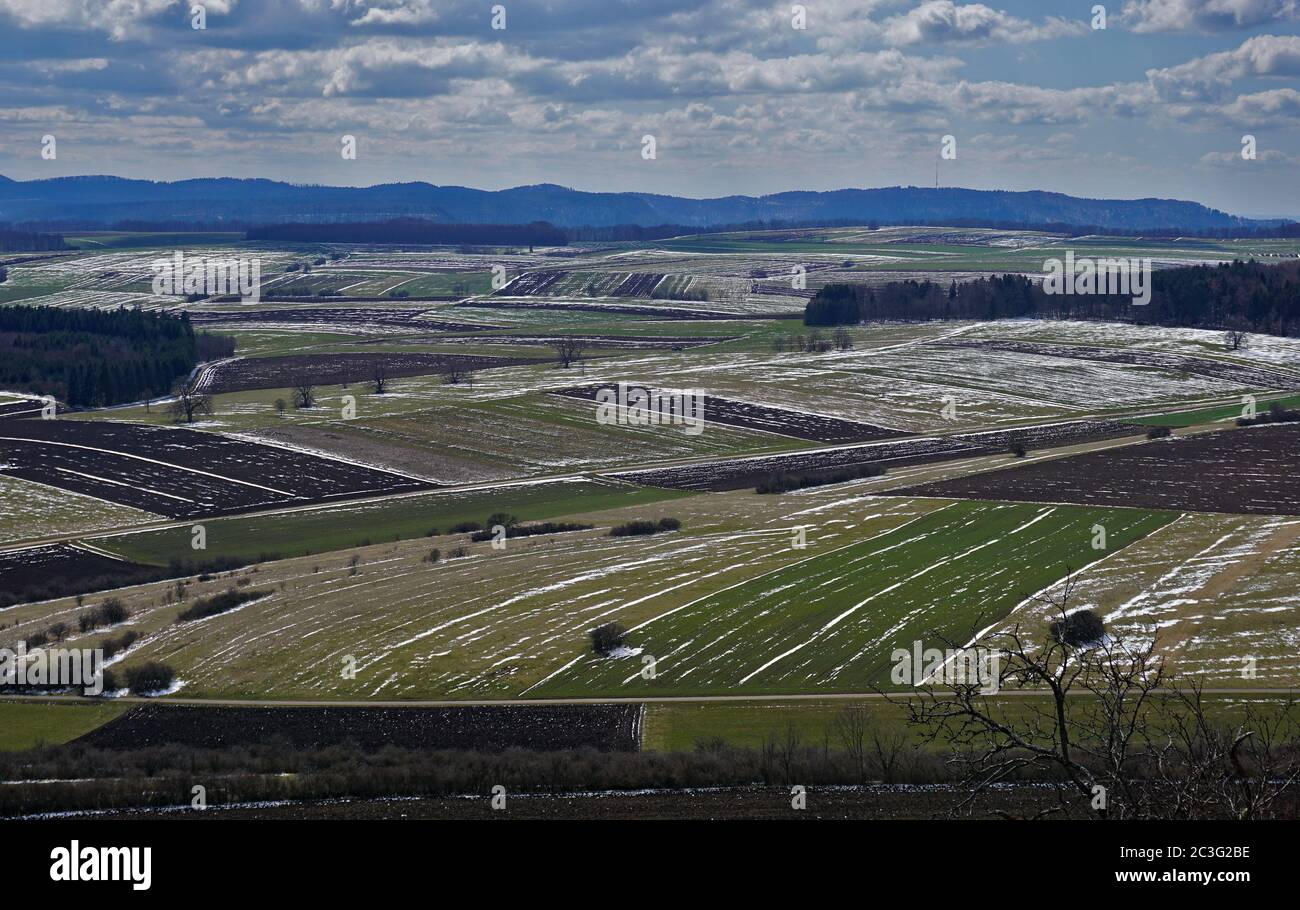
(607, 637)
(465, 527)
(1158, 432)
(458, 553)
(1079, 628)
(1017, 449)
(433, 555)
(150, 677)
(785, 483)
(111, 612)
(546, 527)
(505, 519)
(119, 643)
(218, 603)
(644, 526)
(1275, 414)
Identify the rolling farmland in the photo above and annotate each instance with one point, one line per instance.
(929, 482)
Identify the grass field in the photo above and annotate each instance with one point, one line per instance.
(682, 726)
(25, 725)
(492, 624)
(830, 622)
(1216, 414)
(339, 527)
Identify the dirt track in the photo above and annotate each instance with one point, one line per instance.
(823, 803)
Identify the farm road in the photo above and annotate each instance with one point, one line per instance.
(658, 699)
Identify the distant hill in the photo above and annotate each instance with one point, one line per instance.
(101, 201)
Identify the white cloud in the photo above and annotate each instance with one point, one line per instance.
(937, 21)
(397, 12)
(1205, 15)
(1212, 76)
(119, 19)
(1265, 156)
(1277, 107)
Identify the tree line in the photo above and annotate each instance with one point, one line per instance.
(1246, 296)
(30, 242)
(89, 358)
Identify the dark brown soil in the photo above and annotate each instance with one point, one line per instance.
(178, 472)
(735, 474)
(38, 573)
(799, 424)
(659, 312)
(638, 284)
(336, 369)
(476, 728)
(1250, 471)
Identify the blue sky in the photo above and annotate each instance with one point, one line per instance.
(738, 100)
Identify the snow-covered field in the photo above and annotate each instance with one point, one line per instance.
(30, 511)
(1219, 593)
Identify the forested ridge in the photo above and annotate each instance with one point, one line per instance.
(412, 230)
(99, 357)
(1242, 295)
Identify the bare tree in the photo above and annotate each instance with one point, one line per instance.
(304, 391)
(851, 726)
(817, 343)
(454, 375)
(862, 739)
(1113, 735)
(569, 349)
(189, 403)
(380, 377)
(782, 752)
(1235, 338)
(842, 339)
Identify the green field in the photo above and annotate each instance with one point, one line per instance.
(24, 725)
(682, 726)
(830, 622)
(321, 530)
(1212, 415)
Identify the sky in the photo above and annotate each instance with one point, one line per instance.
(738, 97)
